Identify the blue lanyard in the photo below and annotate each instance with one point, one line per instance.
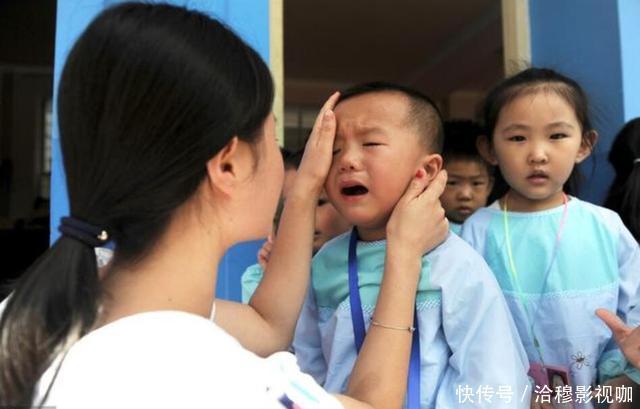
(357, 319)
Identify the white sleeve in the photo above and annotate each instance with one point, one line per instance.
(166, 360)
(294, 389)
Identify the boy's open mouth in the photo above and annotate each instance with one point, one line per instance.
(356, 190)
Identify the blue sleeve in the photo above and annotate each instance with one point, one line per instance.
(486, 350)
(250, 280)
(307, 341)
(474, 230)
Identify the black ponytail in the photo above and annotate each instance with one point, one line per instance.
(55, 301)
(624, 194)
(148, 95)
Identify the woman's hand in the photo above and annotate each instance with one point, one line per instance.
(266, 325)
(417, 222)
(318, 152)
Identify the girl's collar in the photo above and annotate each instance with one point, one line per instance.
(571, 201)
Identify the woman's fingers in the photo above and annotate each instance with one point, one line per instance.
(425, 190)
(418, 219)
(416, 187)
(437, 185)
(317, 157)
(329, 104)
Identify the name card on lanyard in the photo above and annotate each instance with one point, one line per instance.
(357, 320)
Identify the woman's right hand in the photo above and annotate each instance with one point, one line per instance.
(266, 326)
(418, 223)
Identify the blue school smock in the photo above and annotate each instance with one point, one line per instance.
(467, 336)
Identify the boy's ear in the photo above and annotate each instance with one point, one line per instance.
(586, 146)
(222, 169)
(486, 149)
(432, 164)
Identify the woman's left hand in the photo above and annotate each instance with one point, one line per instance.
(318, 152)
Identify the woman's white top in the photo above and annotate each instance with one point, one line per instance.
(171, 359)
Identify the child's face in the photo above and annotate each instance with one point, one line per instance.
(468, 187)
(329, 223)
(376, 153)
(537, 141)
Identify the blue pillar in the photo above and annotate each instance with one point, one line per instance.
(598, 44)
(249, 18)
(629, 20)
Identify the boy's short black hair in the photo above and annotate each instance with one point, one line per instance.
(423, 112)
(460, 138)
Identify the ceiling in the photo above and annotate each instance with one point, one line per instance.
(437, 46)
(27, 31)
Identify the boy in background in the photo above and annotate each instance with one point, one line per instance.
(328, 224)
(470, 177)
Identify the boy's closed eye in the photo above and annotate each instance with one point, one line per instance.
(371, 144)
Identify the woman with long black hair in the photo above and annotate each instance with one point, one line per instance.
(170, 154)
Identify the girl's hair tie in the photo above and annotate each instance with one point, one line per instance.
(83, 232)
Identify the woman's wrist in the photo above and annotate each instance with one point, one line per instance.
(402, 250)
(304, 193)
(301, 200)
(403, 262)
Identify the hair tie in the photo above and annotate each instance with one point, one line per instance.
(84, 232)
